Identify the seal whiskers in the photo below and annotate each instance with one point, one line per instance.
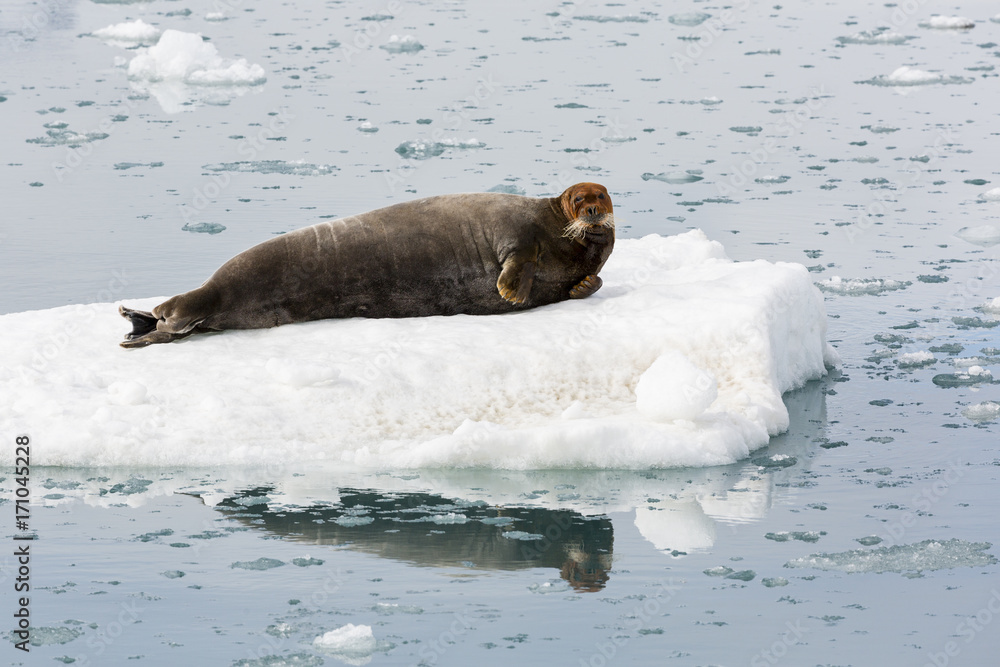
(600, 224)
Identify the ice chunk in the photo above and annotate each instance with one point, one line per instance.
(261, 563)
(920, 359)
(351, 641)
(673, 388)
(911, 76)
(295, 168)
(992, 307)
(991, 195)
(423, 150)
(982, 235)
(689, 19)
(982, 412)
(926, 555)
(424, 392)
(184, 56)
(630, 18)
(861, 286)
(405, 44)
(938, 22)
(129, 34)
(673, 177)
(877, 36)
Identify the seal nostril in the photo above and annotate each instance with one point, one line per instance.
(591, 210)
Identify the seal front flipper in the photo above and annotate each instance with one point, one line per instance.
(586, 287)
(514, 283)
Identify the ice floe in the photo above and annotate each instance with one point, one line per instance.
(441, 391)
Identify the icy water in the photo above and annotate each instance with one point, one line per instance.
(857, 139)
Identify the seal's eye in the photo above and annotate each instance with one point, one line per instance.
(600, 196)
(578, 199)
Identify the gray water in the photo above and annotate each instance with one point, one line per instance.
(767, 126)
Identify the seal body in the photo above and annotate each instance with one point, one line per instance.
(478, 254)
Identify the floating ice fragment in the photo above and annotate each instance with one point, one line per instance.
(275, 167)
(46, 636)
(424, 150)
(911, 76)
(184, 56)
(975, 375)
(772, 180)
(775, 461)
(774, 582)
(720, 571)
(938, 22)
(921, 359)
(261, 563)
(861, 286)
(689, 19)
(405, 44)
(992, 307)
(367, 127)
(982, 235)
(752, 130)
(204, 228)
(508, 188)
(352, 643)
(521, 535)
(922, 556)
(129, 34)
(878, 36)
(991, 195)
(350, 521)
(673, 177)
(673, 388)
(613, 19)
(982, 412)
(61, 135)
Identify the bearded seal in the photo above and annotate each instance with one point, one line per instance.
(474, 253)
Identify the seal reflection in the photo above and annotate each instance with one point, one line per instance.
(426, 529)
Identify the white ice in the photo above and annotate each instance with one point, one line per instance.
(440, 391)
(351, 643)
(938, 22)
(184, 56)
(129, 34)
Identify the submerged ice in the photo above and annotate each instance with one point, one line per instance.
(681, 359)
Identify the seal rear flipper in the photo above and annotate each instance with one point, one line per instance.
(142, 321)
(586, 287)
(152, 338)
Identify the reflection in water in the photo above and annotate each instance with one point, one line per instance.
(427, 529)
